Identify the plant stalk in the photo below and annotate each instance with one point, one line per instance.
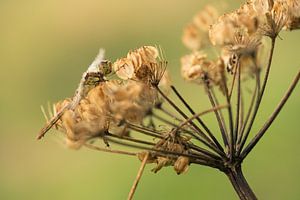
(240, 183)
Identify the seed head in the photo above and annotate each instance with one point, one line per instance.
(142, 64)
(181, 165)
(196, 67)
(195, 34)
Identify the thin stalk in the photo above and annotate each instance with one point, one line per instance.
(220, 111)
(256, 94)
(232, 84)
(197, 117)
(198, 130)
(162, 109)
(206, 140)
(130, 139)
(242, 115)
(166, 153)
(138, 177)
(230, 118)
(273, 116)
(209, 164)
(243, 127)
(262, 90)
(90, 146)
(222, 128)
(144, 130)
(203, 151)
(237, 117)
(164, 120)
(170, 123)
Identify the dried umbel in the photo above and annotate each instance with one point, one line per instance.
(143, 64)
(82, 124)
(104, 109)
(197, 68)
(130, 100)
(170, 143)
(276, 18)
(99, 107)
(294, 15)
(195, 34)
(133, 109)
(192, 37)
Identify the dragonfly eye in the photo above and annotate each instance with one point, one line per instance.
(105, 67)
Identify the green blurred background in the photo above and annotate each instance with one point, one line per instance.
(45, 45)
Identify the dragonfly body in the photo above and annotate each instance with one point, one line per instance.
(94, 75)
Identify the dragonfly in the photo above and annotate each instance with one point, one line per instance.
(93, 76)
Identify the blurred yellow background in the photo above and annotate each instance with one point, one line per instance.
(45, 46)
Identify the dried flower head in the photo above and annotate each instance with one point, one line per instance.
(124, 68)
(143, 64)
(129, 101)
(225, 30)
(293, 24)
(192, 37)
(206, 17)
(104, 109)
(171, 143)
(195, 34)
(245, 44)
(276, 15)
(192, 66)
(125, 111)
(196, 67)
(85, 122)
(294, 15)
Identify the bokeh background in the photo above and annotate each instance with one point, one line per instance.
(45, 46)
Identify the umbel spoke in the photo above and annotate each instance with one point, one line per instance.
(273, 116)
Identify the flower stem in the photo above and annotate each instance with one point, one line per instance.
(138, 177)
(240, 183)
(237, 121)
(203, 137)
(218, 117)
(273, 116)
(198, 118)
(260, 96)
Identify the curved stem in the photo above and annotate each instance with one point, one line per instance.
(246, 119)
(198, 118)
(230, 118)
(206, 140)
(269, 122)
(166, 153)
(218, 117)
(138, 177)
(182, 124)
(168, 113)
(90, 146)
(260, 96)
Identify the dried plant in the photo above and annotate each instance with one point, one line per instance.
(121, 102)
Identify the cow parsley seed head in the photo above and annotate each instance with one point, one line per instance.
(195, 34)
(143, 64)
(224, 52)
